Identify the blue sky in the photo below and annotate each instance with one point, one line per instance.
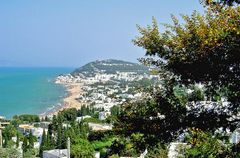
(69, 33)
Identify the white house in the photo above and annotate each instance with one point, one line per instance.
(56, 153)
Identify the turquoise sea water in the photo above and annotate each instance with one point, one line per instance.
(30, 90)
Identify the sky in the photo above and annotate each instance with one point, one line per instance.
(70, 33)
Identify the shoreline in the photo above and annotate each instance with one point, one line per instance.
(73, 90)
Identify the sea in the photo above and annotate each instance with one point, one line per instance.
(30, 90)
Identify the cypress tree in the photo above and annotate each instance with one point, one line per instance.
(50, 139)
(54, 123)
(25, 144)
(59, 137)
(31, 140)
(46, 119)
(17, 141)
(43, 142)
(5, 141)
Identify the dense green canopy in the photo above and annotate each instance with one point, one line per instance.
(204, 49)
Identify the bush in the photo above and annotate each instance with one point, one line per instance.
(158, 151)
(82, 148)
(9, 153)
(206, 145)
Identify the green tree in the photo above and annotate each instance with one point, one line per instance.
(27, 118)
(115, 110)
(25, 146)
(50, 139)
(31, 140)
(43, 143)
(18, 139)
(158, 151)
(69, 114)
(204, 49)
(9, 153)
(221, 2)
(9, 132)
(81, 148)
(59, 137)
(206, 145)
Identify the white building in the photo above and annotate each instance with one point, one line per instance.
(99, 127)
(103, 115)
(175, 149)
(235, 136)
(78, 119)
(38, 132)
(56, 153)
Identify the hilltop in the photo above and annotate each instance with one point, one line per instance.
(110, 66)
(107, 83)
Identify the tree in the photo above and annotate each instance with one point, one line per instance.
(31, 140)
(28, 118)
(43, 143)
(50, 139)
(81, 148)
(206, 145)
(115, 110)
(25, 144)
(59, 137)
(222, 2)
(205, 49)
(9, 132)
(17, 141)
(69, 114)
(9, 153)
(159, 119)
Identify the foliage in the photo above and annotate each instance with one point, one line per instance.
(8, 132)
(140, 117)
(204, 49)
(18, 139)
(221, 2)
(200, 38)
(26, 118)
(31, 140)
(106, 143)
(31, 153)
(115, 110)
(43, 144)
(85, 110)
(94, 120)
(9, 153)
(158, 151)
(99, 135)
(206, 145)
(64, 125)
(81, 148)
(68, 114)
(114, 156)
(25, 144)
(124, 146)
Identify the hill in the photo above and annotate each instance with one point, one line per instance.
(109, 66)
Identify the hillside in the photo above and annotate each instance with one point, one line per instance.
(109, 66)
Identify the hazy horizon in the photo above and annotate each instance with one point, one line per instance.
(61, 33)
(43, 66)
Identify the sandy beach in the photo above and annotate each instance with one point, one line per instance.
(74, 90)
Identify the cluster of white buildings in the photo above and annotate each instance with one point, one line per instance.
(102, 77)
(103, 90)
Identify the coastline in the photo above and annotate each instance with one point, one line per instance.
(73, 90)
